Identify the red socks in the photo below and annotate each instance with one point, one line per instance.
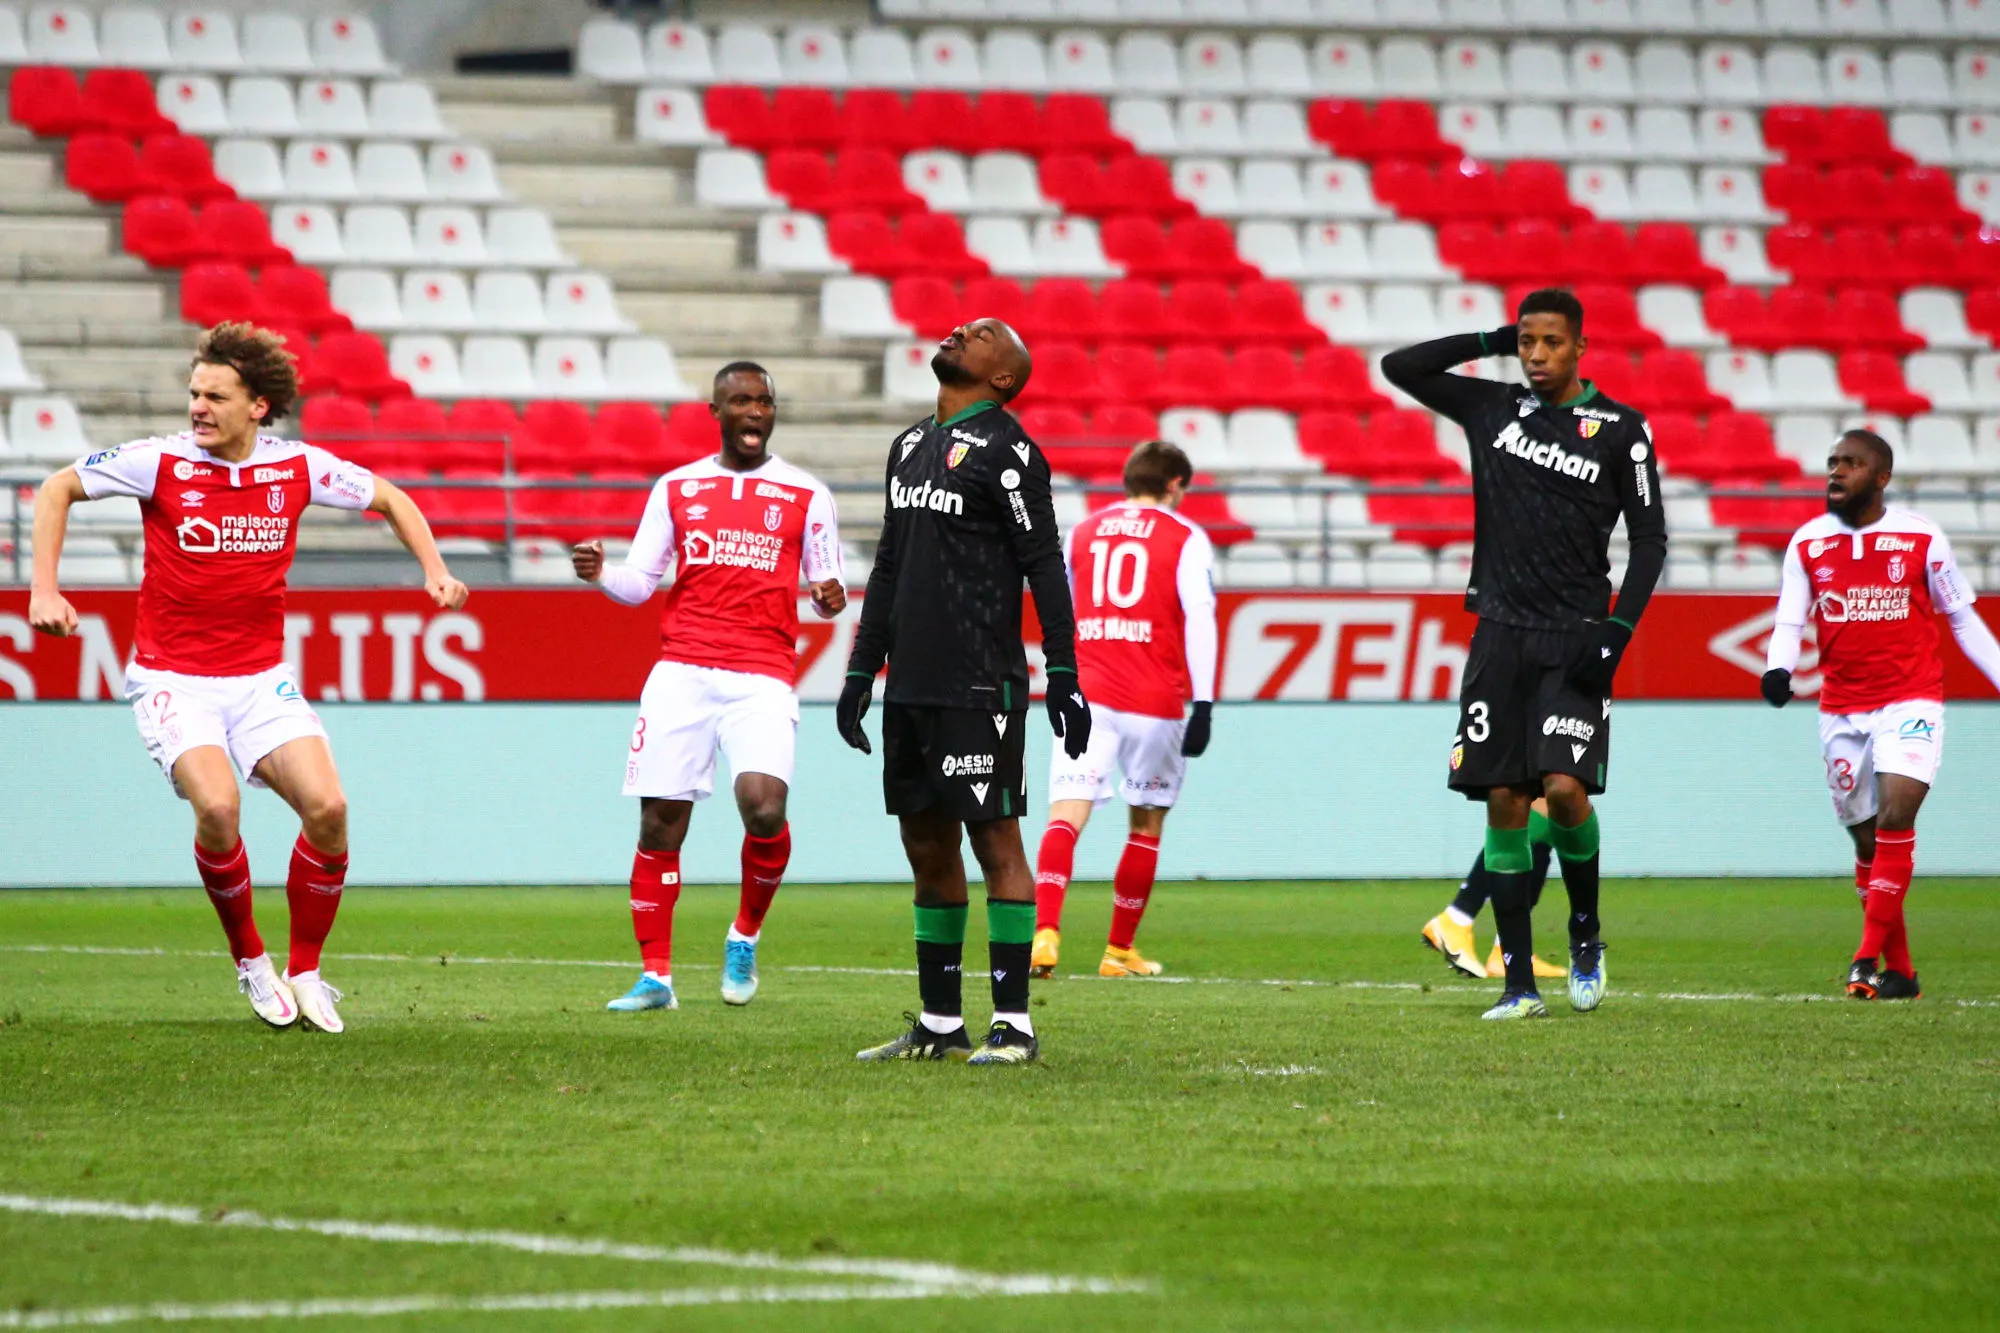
(1882, 931)
(312, 890)
(1132, 888)
(764, 862)
(227, 879)
(656, 887)
(1053, 864)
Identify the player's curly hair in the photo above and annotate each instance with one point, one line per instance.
(259, 357)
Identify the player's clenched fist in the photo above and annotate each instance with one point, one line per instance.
(51, 613)
(447, 592)
(829, 599)
(587, 559)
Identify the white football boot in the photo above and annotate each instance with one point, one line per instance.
(316, 1000)
(270, 997)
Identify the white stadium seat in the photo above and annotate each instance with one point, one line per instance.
(1976, 138)
(1940, 446)
(1401, 313)
(263, 105)
(1601, 133)
(1925, 136)
(1918, 77)
(1257, 564)
(1731, 135)
(1015, 59)
(15, 376)
(204, 39)
(1279, 65)
(1732, 194)
(1803, 438)
(569, 368)
(732, 178)
(1146, 62)
(858, 307)
(1855, 76)
(1603, 190)
(813, 54)
(1805, 381)
(1474, 127)
(1417, 14)
(319, 169)
(1469, 305)
(1938, 315)
(404, 109)
(610, 51)
(1476, 15)
(1918, 18)
(748, 53)
(1207, 125)
(906, 372)
(449, 235)
(378, 234)
(1665, 16)
(1743, 377)
(45, 426)
(1974, 18)
(436, 299)
(195, 103)
(1601, 72)
(251, 167)
(1675, 314)
(1729, 74)
(644, 369)
(1069, 247)
(1004, 243)
(1976, 77)
(1792, 74)
(1273, 247)
(1340, 309)
(1007, 183)
(1541, 15)
(496, 366)
(1341, 190)
(310, 231)
(1407, 68)
(1200, 434)
(1209, 183)
(1663, 72)
(13, 51)
(524, 238)
(134, 39)
(1793, 17)
(348, 44)
(1609, 15)
(948, 58)
(671, 116)
(938, 178)
(1663, 193)
(333, 109)
(62, 35)
(1729, 16)
(1940, 377)
(1337, 250)
(1664, 133)
(1212, 64)
(1536, 129)
(582, 301)
(1271, 188)
(276, 42)
(1406, 250)
(1081, 62)
(1277, 125)
(1263, 438)
(1399, 565)
(1148, 122)
(392, 170)
(1746, 569)
(462, 171)
(428, 363)
(1472, 69)
(679, 52)
(1343, 67)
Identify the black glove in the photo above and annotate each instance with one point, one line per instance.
(1503, 341)
(1777, 687)
(1597, 661)
(853, 706)
(1068, 713)
(1196, 739)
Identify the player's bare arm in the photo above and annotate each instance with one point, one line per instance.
(408, 523)
(48, 610)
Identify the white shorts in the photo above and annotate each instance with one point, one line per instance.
(1141, 754)
(246, 716)
(685, 712)
(1906, 739)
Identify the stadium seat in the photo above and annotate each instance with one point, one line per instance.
(104, 167)
(276, 42)
(794, 243)
(428, 363)
(333, 108)
(906, 373)
(582, 302)
(813, 54)
(482, 430)
(134, 39)
(195, 103)
(318, 169)
(404, 109)
(1941, 378)
(378, 234)
(241, 231)
(356, 364)
(49, 102)
(497, 366)
(299, 296)
(567, 367)
(732, 178)
(214, 291)
(177, 164)
(436, 299)
(60, 34)
(262, 106)
(671, 116)
(508, 301)
(679, 52)
(461, 171)
(123, 101)
(610, 51)
(1876, 378)
(348, 44)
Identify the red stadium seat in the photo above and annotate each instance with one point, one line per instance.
(1061, 308)
(554, 434)
(742, 116)
(1791, 187)
(298, 342)
(1522, 251)
(802, 176)
(1201, 310)
(620, 501)
(870, 245)
(1064, 374)
(1269, 377)
(1124, 423)
(163, 231)
(1467, 246)
(49, 101)
(1197, 375)
(1207, 507)
(1130, 375)
(302, 295)
(1080, 123)
(1612, 371)
(930, 304)
(634, 435)
(1982, 312)
(1678, 439)
(1469, 188)
(1270, 311)
(410, 433)
(238, 229)
(355, 364)
(1346, 127)
(1670, 252)
(806, 117)
(1054, 424)
(1675, 382)
(1008, 122)
(1408, 185)
(1796, 132)
(878, 118)
(1333, 438)
(690, 428)
(1743, 315)
(1532, 190)
(1134, 310)
(1930, 254)
(1209, 247)
(333, 420)
(1612, 318)
(1857, 194)
(550, 504)
(214, 291)
(1860, 134)
(180, 164)
(1802, 250)
(1341, 378)
(483, 431)
(1876, 378)
(1867, 317)
(1410, 129)
(990, 298)
(1076, 181)
(1139, 184)
(939, 244)
(1138, 244)
(1430, 519)
(123, 101)
(1802, 317)
(103, 166)
(1599, 252)
(1743, 446)
(940, 119)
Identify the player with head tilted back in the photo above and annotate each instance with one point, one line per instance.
(1872, 579)
(969, 516)
(1143, 579)
(742, 525)
(1553, 467)
(208, 682)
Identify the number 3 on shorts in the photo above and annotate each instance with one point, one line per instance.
(1477, 728)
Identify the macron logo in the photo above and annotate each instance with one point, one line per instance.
(926, 496)
(1545, 453)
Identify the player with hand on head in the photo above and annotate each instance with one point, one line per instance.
(1450, 931)
(968, 518)
(208, 682)
(1872, 579)
(742, 525)
(1554, 466)
(1143, 579)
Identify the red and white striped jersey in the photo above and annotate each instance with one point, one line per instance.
(741, 540)
(1874, 595)
(1143, 582)
(219, 540)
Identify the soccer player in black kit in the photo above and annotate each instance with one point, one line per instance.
(1553, 467)
(969, 516)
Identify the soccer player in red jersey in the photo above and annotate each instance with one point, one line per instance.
(742, 525)
(1873, 579)
(1143, 580)
(208, 681)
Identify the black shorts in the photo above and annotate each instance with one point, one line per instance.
(967, 760)
(1518, 717)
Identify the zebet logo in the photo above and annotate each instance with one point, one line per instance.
(1545, 453)
(926, 496)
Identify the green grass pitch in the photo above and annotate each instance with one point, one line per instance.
(1268, 1144)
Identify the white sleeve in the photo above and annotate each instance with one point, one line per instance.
(125, 469)
(821, 559)
(337, 483)
(1794, 605)
(1977, 642)
(1196, 579)
(652, 551)
(1950, 593)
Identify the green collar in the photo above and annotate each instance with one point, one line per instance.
(984, 404)
(1589, 392)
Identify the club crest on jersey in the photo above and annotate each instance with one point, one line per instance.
(957, 454)
(1588, 426)
(1896, 569)
(773, 517)
(275, 498)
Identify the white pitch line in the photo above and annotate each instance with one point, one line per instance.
(896, 1270)
(382, 1306)
(1302, 983)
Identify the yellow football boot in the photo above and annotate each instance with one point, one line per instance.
(1126, 963)
(1042, 961)
(1455, 942)
(1496, 966)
